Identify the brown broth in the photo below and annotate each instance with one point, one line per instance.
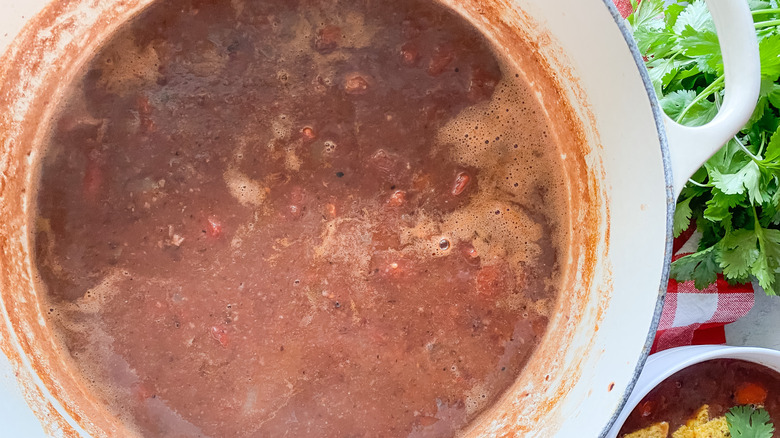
(300, 218)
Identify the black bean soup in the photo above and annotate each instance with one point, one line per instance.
(300, 218)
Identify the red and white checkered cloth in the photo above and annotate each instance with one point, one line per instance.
(691, 316)
(624, 7)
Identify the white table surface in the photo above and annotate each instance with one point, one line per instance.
(760, 327)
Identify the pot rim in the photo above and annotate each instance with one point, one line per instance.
(658, 118)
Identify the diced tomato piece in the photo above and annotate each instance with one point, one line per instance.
(327, 39)
(394, 269)
(750, 394)
(443, 55)
(355, 84)
(93, 176)
(142, 392)
(387, 165)
(646, 408)
(397, 199)
(295, 208)
(220, 335)
(308, 133)
(469, 253)
(214, 226)
(409, 54)
(492, 279)
(148, 125)
(144, 107)
(295, 211)
(461, 181)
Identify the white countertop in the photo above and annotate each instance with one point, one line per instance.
(760, 327)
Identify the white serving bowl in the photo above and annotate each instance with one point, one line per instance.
(661, 365)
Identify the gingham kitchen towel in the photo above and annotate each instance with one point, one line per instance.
(693, 317)
(624, 7)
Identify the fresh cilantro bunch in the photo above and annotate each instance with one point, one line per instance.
(734, 199)
(747, 422)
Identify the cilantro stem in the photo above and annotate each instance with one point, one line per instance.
(704, 186)
(765, 11)
(714, 86)
(763, 143)
(758, 229)
(769, 23)
(745, 150)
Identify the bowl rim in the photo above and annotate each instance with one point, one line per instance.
(661, 365)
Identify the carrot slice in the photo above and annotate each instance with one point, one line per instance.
(750, 394)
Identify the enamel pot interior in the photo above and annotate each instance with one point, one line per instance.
(619, 200)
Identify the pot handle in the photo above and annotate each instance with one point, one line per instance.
(690, 147)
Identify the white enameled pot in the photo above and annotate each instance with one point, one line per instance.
(621, 199)
(661, 365)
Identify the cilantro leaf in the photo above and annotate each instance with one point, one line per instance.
(683, 73)
(662, 43)
(746, 422)
(646, 13)
(672, 13)
(698, 114)
(697, 16)
(767, 266)
(768, 87)
(773, 148)
(729, 159)
(704, 46)
(662, 70)
(769, 53)
(682, 216)
(773, 94)
(758, 5)
(701, 113)
(719, 206)
(701, 267)
(747, 179)
(739, 252)
(673, 103)
(776, 206)
(701, 43)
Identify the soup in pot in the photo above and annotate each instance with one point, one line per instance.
(300, 218)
